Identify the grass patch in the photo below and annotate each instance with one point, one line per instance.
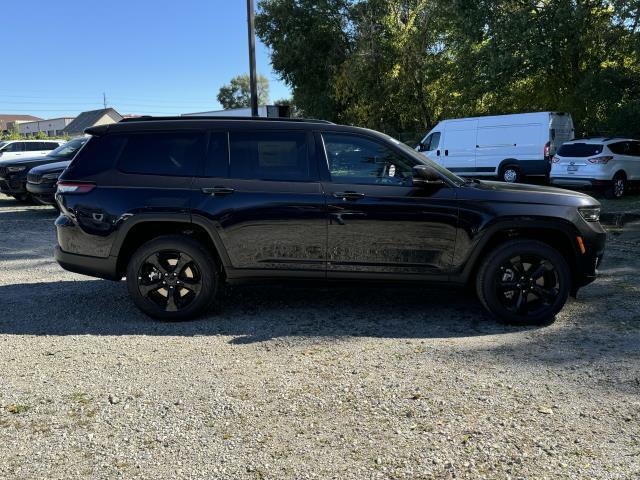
(16, 408)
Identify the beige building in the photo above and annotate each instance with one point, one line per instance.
(92, 118)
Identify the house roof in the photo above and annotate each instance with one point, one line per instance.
(89, 119)
(4, 118)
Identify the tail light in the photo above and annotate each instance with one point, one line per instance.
(547, 151)
(73, 187)
(555, 159)
(600, 160)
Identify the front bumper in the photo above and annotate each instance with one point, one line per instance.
(587, 263)
(13, 184)
(43, 192)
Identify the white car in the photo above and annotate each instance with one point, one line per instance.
(507, 146)
(609, 163)
(12, 149)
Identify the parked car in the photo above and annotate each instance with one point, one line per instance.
(510, 147)
(182, 206)
(611, 164)
(16, 149)
(13, 173)
(42, 180)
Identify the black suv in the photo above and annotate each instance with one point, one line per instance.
(182, 206)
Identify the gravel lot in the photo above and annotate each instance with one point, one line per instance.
(309, 383)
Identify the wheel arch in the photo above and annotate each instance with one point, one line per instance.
(145, 228)
(554, 233)
(508, 161)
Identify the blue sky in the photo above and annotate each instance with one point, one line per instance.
(149, 56)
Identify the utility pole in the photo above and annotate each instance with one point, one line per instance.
(104, 100)
(252, 59)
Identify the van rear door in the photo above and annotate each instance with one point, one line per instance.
(460, 146)
(560, 131)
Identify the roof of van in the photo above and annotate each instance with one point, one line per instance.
(510, 116)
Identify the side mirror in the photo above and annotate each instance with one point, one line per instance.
(424, 175)
(422, 147)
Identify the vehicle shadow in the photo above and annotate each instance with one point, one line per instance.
(250, 314)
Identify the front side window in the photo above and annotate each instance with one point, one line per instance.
(267, 155)
(163, 153)
(14, 147)
(35, 146)
(355, 159)
(432, 142)
(635, 149)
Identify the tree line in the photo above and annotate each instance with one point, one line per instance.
(402, 65)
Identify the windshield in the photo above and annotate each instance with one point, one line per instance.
(424, 160)
(69, 149)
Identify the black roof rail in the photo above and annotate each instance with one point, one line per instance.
(147, 118)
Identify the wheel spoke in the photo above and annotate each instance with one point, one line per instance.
(171, 301)
(146, 289)
(521, 302)
(154, 260)
(192, 286)
(508, 286)
(183, 260)
(516, 263)
(547, 295)
(539, 270)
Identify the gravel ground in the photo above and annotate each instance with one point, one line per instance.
(311, 383)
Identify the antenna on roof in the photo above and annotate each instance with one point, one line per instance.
(104, 100)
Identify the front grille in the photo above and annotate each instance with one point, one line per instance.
(3, 172)
(34, 178)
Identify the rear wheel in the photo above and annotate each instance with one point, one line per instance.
(173, 278)
(510, 174)
(524, 282)
(618, 186)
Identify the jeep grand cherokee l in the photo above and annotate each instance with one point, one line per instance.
(182, 206)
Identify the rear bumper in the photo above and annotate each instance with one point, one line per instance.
(92, 266)
(580, 182)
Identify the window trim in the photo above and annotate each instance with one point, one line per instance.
(366, 137)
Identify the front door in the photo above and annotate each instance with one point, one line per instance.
(379, 223)
(261, 191)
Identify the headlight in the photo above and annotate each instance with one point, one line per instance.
(16, 169)
(590, 214)
(51, 176)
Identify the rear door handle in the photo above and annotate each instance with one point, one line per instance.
(437, 153)
(352, 196)
(217, 191)
(446, 153)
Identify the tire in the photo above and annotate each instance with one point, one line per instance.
(23, 198)
(510, 174)
(507, 291)
(618, 186)
(187, 292)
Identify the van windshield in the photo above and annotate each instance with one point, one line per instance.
(579, 150)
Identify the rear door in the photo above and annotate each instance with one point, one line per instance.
(460, 146)
(572, 158)
(260, 190)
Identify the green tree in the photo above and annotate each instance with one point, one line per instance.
(309, 43)
(237, 93)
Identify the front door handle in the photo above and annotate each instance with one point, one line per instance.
(446, 153)
(217, 191)
(351, 196)
(437, 153)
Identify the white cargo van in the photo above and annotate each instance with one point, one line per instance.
(507, 146)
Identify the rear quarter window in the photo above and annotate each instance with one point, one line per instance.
(580, 150)
(97, 155)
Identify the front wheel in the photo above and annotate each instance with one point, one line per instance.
(173, 278)
(524, 282)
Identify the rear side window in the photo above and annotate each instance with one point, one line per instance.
(34, 146)
(579, 150)
(620, 148)
(163, 153)
(51, 145)
(270, 156)
(635, 149)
